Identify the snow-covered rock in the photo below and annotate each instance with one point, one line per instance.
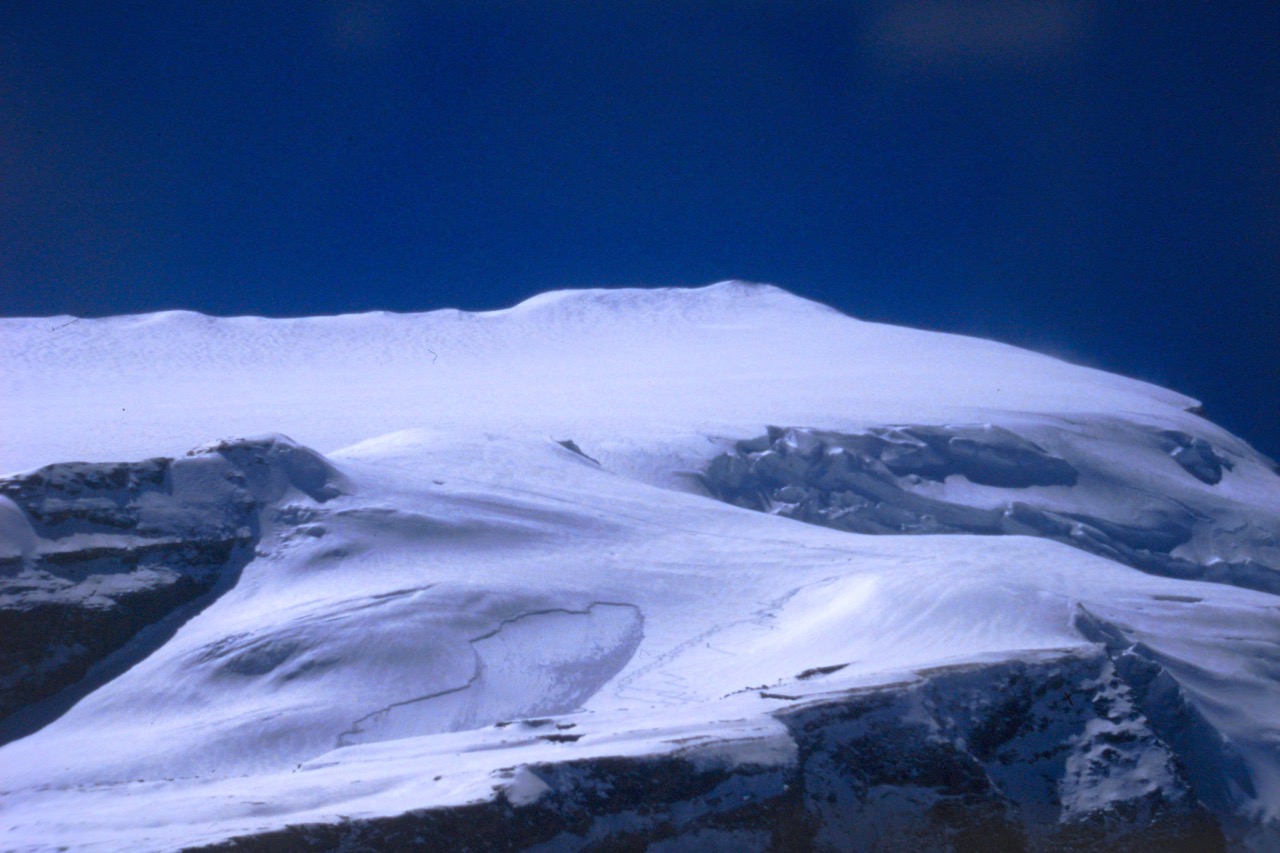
(917, 479)
(96, 552)
(1047, 754)
(506, 610)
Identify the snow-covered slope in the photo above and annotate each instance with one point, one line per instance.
(515, 522)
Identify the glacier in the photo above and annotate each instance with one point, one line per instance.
(654, 569)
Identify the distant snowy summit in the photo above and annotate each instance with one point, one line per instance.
(729, 357)
(722, 298)
(671, 569)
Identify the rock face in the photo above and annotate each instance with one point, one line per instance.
(97, 552)
(880, 482)
(1196, 456)
(1053, 755)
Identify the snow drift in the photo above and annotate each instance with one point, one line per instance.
(521, 567)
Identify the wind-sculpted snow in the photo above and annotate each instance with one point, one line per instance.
(895, 480)
(533, 664)
(103, 551)
(1050, 756)
(501, 612)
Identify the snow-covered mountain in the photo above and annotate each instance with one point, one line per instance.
(658, 569)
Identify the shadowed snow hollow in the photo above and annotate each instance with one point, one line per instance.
(534, 664)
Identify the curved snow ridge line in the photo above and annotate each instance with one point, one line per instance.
(596, 357)
(477, 520)
(296, 641)
(629, 686)
(901, 480)
(535, 663)
(1005, 756)
(659, 306)
(426, 337)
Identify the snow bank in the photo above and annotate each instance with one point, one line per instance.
(504, 556)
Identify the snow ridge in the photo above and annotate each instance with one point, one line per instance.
(495, 562)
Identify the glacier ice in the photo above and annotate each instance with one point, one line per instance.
(868, 483)
(450, 623)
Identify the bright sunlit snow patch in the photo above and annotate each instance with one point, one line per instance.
(452, 589)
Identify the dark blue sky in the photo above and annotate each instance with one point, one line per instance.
(1099, 181)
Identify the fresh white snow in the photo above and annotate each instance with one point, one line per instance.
(475, 572)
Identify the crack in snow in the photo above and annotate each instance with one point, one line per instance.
(555, 671)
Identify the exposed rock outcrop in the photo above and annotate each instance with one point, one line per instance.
(1022, 756)
(872, 483)
(95, 552)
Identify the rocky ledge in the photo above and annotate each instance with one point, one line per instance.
(1074, 752)
(92, 553)
(891, 480)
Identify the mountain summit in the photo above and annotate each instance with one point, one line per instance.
(646, 569)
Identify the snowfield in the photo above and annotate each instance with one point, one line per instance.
(489, 558)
